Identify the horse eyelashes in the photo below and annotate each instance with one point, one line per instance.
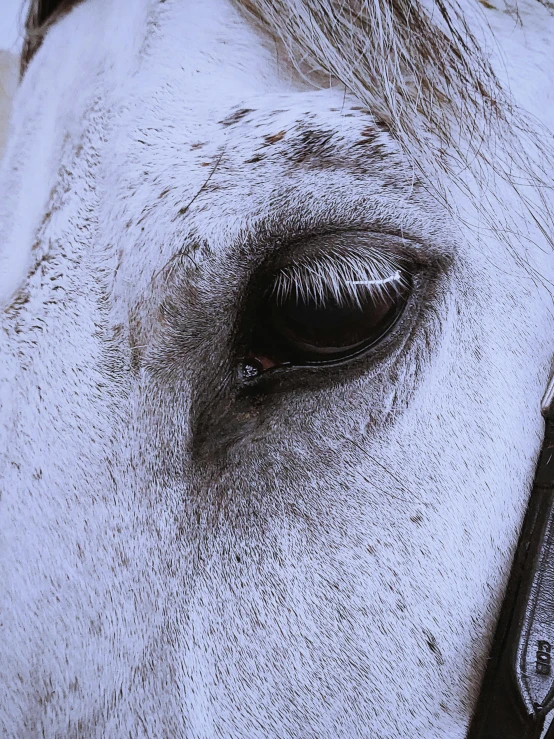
(345, 277)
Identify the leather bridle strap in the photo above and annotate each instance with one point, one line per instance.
(518, 687)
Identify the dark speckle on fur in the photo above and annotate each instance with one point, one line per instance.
(235, 117)
(367, 136)
(311, 143)
(433, 646)
(274, 138)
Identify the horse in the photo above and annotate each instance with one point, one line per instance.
(276, 282)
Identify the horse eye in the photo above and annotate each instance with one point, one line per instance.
(303, 330)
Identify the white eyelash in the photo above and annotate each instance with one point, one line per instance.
(345, 276)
